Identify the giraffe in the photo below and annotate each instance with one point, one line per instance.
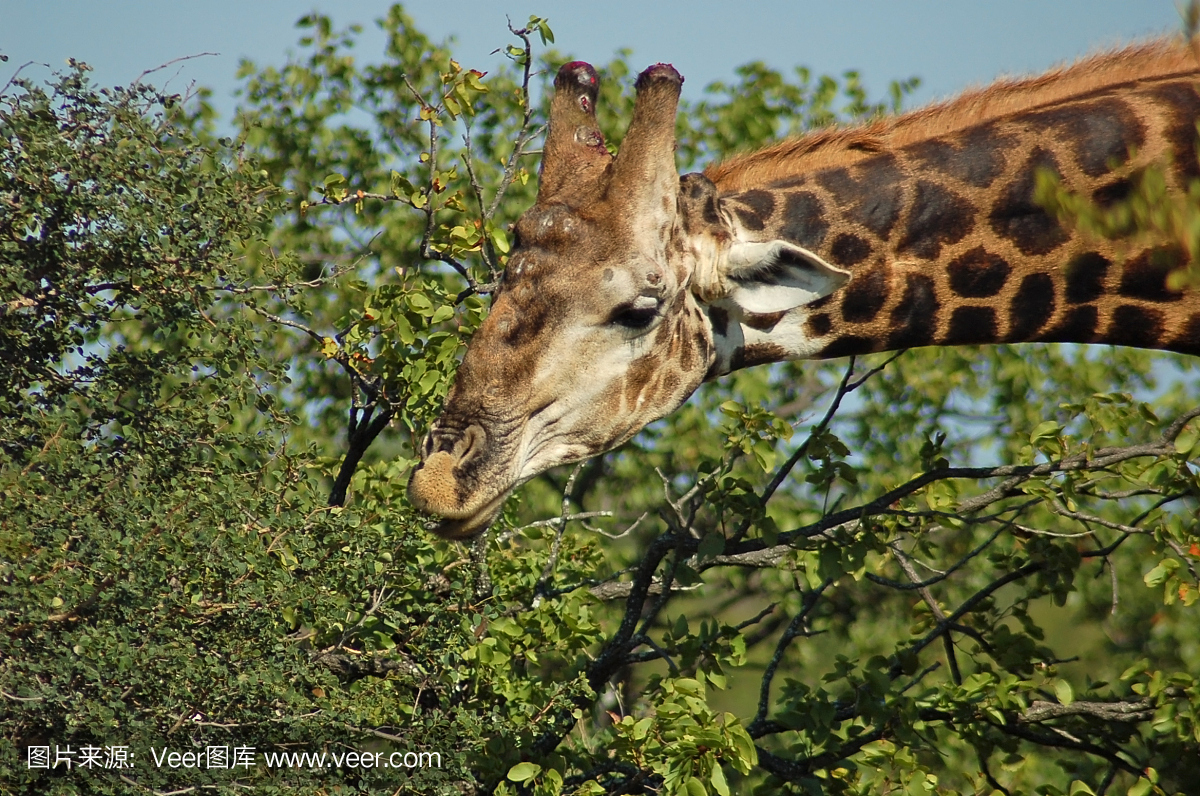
(628, 285)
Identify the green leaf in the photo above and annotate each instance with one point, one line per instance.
(420, 302)
(523, 772)
(1047, 429)
(1187, 440)
(1165, 568)
(1062, 690)
(718, 780)
(732, 408)
(403, 330)
(1140, 788)
(473, 80)
(401, 187)
(1140, 667)
(747, 753)
(551, 784)
(500, 241)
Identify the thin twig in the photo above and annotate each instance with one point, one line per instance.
(7, 695)
(659, 652)
(920, 584)
(935, 609)
(160, 67)
(623, 533)
(560, 529)
(137, 784)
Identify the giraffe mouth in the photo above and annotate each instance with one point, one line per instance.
(470, 526)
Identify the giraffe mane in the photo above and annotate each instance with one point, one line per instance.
(843, 146)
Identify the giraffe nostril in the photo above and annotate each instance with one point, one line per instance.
(470, 445)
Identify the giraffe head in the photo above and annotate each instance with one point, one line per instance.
(614, 307)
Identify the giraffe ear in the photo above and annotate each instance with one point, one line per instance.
(776, 276)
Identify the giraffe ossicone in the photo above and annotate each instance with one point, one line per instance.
(628, 285)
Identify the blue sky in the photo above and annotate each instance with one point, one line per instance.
(950, 45)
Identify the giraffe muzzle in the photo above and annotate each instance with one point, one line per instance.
(445, 484)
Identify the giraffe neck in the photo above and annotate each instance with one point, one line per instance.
(946, 244)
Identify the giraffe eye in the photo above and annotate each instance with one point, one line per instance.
(635, 319)
(638, 314)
